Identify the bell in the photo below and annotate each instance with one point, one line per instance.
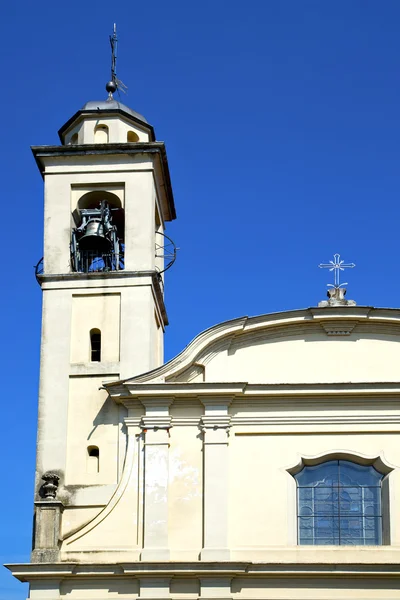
(94, 239)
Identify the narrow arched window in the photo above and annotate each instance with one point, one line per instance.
(74, 139)
(101, 134)
(132, 136)
(93, 459)
(95, 345)
(339, 503)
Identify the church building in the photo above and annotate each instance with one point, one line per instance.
(261, 463)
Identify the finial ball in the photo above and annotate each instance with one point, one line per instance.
(111, 87)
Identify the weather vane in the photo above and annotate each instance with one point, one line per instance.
(114, 84)
(336, 265)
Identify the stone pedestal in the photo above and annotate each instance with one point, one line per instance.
(47, 530)
(336, 297)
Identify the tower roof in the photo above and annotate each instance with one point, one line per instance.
(106, 107)
(111, 104)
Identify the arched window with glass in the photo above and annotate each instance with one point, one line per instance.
(339, 502)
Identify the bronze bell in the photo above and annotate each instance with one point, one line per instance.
(94, 239)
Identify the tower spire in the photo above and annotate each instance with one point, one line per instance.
(114, 84)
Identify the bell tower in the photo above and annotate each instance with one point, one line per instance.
(107, 197)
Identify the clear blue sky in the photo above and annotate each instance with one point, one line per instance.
(282, 125)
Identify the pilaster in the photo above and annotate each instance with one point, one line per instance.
(215, 587)
(156, 425)
(152, 588)
(215, 423)
(45, 589)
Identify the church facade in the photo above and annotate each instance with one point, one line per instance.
(263, 462)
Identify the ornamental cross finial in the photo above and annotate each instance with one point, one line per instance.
(336, 265)
(114, 84)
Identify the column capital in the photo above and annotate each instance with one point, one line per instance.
(216, 414)
(215, 422)
(132, 423)
(156, 422)
(157, 413)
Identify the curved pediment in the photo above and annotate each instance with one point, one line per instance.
(315, 345)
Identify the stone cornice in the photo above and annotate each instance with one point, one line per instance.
(329, 563)
(109, 280)
(121, 391)
(156, 149)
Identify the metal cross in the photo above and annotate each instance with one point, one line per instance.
(113, 43)
(119, 85)
(336, 265)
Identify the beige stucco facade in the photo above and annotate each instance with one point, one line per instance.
(191, 491)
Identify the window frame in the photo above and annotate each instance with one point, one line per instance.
(379, 463)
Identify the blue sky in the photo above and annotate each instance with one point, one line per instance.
(282, 125)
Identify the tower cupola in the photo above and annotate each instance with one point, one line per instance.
(106, 122)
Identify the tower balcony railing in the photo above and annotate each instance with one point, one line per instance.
(88, 261)
(91, 262)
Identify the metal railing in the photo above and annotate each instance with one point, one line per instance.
(91, 262)
(39, 269)
(98, 262)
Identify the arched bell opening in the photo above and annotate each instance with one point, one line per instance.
(132, 136)
(97, 241)
(101, 134)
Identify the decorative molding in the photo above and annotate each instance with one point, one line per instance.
(285, 562)
(315, 420)
(215, 422)
(193, 372)
(378, 462)
(338, 327)
(156, 422)
(158, 391)
(132, 421)
(186, 421)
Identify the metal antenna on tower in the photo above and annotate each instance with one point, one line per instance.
(114, 84)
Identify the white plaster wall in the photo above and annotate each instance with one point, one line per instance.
(95, 311)
(53, 389)
(75, 517)
(314, 588)
(262, 510)
(118, 128)
(122, 589)
(92, 421)
(308, 358)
